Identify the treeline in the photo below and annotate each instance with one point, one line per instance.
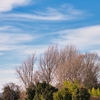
(43, 91)
(47, 73)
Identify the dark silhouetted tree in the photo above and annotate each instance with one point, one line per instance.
(11, 92)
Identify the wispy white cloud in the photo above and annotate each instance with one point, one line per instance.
(7, 47)
(9, 67)
(7, 5)
(18, 40)
(5, 80)
(14, 41)
(2, 72)
(96, 51)
(83, 38)
(64, 12)
(38, 49)
(1, 53)
(7, 38)
(2, 28)
(12, 38)
(6, 77)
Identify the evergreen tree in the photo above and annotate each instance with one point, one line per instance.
(81, 94)
(63, 94)
(30, 92)
(45, 91)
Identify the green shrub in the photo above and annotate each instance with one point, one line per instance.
(81, 94)
(63, 94)
(30, 92)
(38, 97)
(66, 92)
(95, 92)
(71, 85)
(45, 91)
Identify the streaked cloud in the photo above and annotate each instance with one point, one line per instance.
(38, 49)
(1, 53)
(2, 28)
(7, 72)
(83, 38)
(6, 77)
(8, 38)
(14, 41)
(5, 80)
(7, 5)
(96, 50)
(12, 38)
(64, 12)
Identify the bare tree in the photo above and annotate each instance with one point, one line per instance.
(57, 65)
(76, 66)
(48, 63)
(66, 68)
(92, 69)
(25, 71)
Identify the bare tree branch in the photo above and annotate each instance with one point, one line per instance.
(25, 71)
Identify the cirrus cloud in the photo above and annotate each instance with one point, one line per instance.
(84, 38)
(64, 12)
(7, 5)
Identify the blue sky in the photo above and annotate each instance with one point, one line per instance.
(28, 26)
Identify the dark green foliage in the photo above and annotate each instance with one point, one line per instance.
(30, 92)
(40, 91)
(45, 91)
(38, 97)
(63, 94)
(11, 92)
(81, 94)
